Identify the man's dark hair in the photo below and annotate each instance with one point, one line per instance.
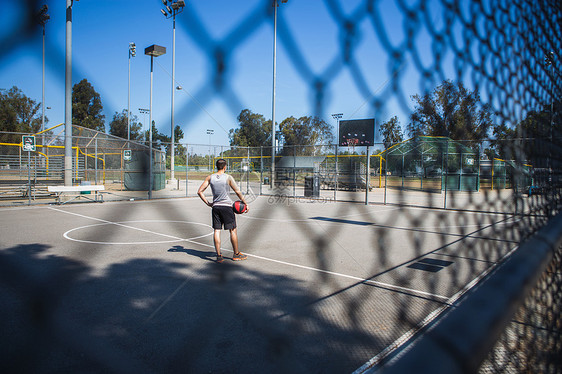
(221, 163)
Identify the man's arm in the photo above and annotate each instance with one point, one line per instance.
(202, 189)
(237, 191)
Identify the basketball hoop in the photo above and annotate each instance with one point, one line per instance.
(352, 142)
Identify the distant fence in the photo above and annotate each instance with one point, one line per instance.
(427, 164)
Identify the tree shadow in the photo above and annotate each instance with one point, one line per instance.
(147, 315)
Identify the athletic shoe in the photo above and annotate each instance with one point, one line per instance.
(239, 256)
(220, 259)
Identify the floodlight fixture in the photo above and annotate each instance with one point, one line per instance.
(42, 16)
(155, 50)
(179, 88)
(178, 4)
(172, 8)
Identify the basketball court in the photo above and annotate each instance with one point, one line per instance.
(327, 287)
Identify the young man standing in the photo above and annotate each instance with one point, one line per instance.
(222, 212)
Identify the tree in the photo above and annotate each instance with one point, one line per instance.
(253, 130)
(305, 132)
(18, 113)
(87, 107)
(501, 144)
(532, 139)
(391, 132)
(450, 110)
(158, 139)
(118, 126)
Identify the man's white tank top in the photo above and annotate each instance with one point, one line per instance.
(221, 189)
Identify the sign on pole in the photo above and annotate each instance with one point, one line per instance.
(127, 154)
(28, 142)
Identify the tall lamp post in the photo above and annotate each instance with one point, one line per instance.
(152, 51)
(173, 7)
(275, 6)
(68, 97)
(145, 112)
(132, 53)
(42, 18)
(337, 117)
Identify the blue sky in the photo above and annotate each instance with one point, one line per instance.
(309, 48)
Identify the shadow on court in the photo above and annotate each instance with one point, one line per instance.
(147, 315)
(205, 255)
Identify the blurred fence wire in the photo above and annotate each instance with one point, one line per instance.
(510, 321)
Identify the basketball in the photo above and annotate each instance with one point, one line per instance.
(239, 207)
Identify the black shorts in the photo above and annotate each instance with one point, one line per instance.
(223, 215)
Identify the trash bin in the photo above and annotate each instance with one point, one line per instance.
(312, 186)
(85, 183)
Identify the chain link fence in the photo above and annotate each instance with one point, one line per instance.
(507, 316)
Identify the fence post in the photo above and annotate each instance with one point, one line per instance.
(261, 168)
(446, 172)
(295, 170)
(96, 160)
(186, 168)
(29, 176)
(422, 171)
(336, 175)
(385, 173)
(402, 169)
(367, 177)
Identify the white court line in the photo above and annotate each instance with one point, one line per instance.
(121, 225)
(173, 240)
(362, 280)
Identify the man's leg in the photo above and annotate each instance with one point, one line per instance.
(217, 240)
(234, 240)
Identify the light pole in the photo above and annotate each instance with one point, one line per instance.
(210, 133)
(337, 117)
(68, 97)
(42, 18)
(145, 112)
(275, 6)
(173, 7)
(152, 51)
(132, 53)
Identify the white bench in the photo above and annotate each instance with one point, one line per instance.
(78, 191)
